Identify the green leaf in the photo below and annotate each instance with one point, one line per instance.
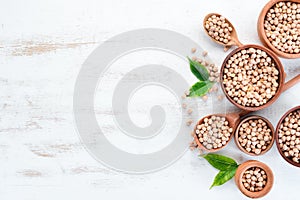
(224, 176)
(198, 70)
(200, 88)
(220, 162)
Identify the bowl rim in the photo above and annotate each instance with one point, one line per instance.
(254, 163)
(261, 31)
(278, 65)
(277, 139)
(269, 124)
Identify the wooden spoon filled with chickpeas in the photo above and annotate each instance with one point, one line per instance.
(221, 30)
(213, 132)
(252, 76)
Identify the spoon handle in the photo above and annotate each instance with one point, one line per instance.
(291, 83)
(244, 112)
(236, 41)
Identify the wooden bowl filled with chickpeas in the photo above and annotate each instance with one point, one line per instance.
(279, 27)
(254, 179)
(287, 136)
(252, 77)
(254, 135)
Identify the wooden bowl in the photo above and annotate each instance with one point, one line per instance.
(280, 83)
(261, 31)
(277, 139)
(232, 123)
(236, 136)
(241, 170)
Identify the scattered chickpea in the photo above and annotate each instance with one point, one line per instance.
(254, 179)
(204, 98)
(211, 68)
(189, 122)
(190, 111)
(218, 28)
(193, 145)
(214, 88)
(193, 50)
(200, 151)
(214, 132)
(187, 93)
(192, 133)
(204, 53)
(289, 136)
(254, 136)
(250, 77)
(213, 72)
(282, 27)
(220, 97)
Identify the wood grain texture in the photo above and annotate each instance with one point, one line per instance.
(42, 47)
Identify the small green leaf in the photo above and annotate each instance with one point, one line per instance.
(220, 162)
(224, 176)
(200, 88)
(198, 70)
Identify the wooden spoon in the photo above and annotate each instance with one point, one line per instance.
(234, 38)
(233, 120)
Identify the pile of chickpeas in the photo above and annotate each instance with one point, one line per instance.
(254, 136)
(218, 28)
(254, 179)
(214, 132)
(213, 72)
(282, 27)
(289, 136)
(250, 77)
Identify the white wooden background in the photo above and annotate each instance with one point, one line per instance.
(42, 47)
